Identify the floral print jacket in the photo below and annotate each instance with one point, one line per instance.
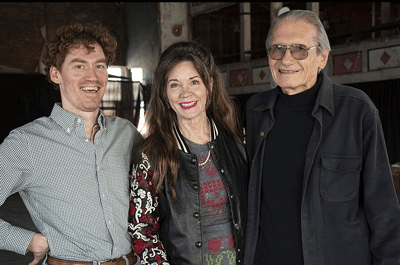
(143, 216)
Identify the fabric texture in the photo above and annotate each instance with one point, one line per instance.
(76, 191)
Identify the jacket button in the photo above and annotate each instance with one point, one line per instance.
(262, 134)
(194, 160)
(195, 186)
(198, 244)
(196, 215)
(237, 226)
(222, 170)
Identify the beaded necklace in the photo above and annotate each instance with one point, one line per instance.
(209, 152)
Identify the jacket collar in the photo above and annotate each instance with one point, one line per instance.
(182, 145)
(324, 98)
(325, 95)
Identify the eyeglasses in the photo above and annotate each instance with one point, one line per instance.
(298, 51)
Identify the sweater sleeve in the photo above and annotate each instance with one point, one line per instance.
(144, 224)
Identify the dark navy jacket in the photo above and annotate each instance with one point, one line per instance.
(349, 212)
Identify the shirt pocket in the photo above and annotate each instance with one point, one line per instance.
(340, 177)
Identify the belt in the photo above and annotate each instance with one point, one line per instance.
(119, 261)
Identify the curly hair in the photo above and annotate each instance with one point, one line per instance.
(161, 146)
(72, 36)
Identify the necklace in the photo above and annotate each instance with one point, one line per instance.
(209, 152)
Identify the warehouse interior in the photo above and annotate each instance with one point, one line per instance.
(364, 36)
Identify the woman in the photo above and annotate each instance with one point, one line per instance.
(189, 185)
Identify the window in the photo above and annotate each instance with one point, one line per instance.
(114, 71)
(137, 74)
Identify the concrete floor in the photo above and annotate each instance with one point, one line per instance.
(14, 212)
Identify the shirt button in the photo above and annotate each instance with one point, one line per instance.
(195, 186)
(198, 244)
(222, 170)
(78, 120)
(87, 140)
(68, 130)
(237, 226)
(196, 215)
(98, 167)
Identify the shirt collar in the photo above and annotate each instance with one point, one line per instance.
(68, 121)
(183, 146)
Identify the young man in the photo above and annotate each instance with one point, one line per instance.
(321, 191)
(72, 169)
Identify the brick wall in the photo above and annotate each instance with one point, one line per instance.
(21, 40)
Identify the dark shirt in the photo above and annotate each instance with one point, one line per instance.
(279, 240)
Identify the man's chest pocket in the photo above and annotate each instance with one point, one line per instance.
(340, 177)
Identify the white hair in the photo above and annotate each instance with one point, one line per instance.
(307, 16)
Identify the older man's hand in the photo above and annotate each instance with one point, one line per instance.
(39, 247)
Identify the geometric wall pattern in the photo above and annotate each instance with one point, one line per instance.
(261, 75)
(240, 78)
(387, 57)
(377, 59)
(347, 63)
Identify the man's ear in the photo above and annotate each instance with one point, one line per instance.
(55, 75)
(323, 60)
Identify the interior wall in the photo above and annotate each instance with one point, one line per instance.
(143, 49)
(26, 25)
(174, 23)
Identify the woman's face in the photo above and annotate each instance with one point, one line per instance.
(186, 92)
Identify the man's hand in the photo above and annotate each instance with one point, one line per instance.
(39, 247)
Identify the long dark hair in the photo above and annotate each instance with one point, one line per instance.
(161, 146)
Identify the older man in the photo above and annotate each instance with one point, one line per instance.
(72, 168)
(321, 191)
